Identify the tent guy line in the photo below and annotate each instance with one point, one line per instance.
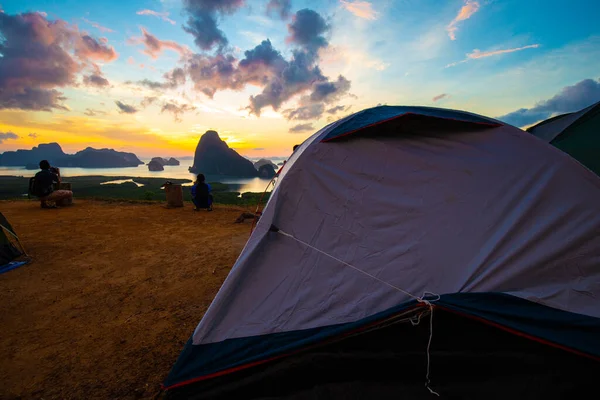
(419, 299)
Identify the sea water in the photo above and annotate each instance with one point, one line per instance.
(236, 184)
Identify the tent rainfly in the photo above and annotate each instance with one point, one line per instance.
(577, 134)
(406, 251)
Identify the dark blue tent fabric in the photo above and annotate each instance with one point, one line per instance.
(207, 359)
(564, 329)
(376, 115)
(11, 265)
(574, 331)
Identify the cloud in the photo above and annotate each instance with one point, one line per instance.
(466, 12)
(298, 75)
(258, 148)
(569, 99)
(130, 61)
(336, 109)
(202, 21)
(440, 97)
(154, 46)
(148, 100)
(482, 54)
(301, 128)
(97, 25)
(477, 54)
(162, 15)
(89, 48)
(173, 79)
(280, 79)
(176, 109)
(33, 135)
(330, 91)
(39, 56)
(307, 29)
(362, 9)
(312, 106)
(313, 111)
(28, 84)
(92, 113)
(125, 108)
(281, 7)
(149, 84)
(212, 73)
(95, 80)
(7, 135)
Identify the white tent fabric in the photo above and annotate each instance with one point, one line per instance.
(493, 210)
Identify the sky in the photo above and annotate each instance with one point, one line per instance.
(150, 76)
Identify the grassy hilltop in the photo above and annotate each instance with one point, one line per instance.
(14, 187)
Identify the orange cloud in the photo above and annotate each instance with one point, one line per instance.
(162, 15)
(97, 25)
(481, 54)
(154, 46)
(466, 12)
(362, 9)
(476, 54)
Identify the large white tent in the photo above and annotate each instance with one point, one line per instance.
(396, 213)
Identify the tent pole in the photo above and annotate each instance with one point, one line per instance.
(259, 202)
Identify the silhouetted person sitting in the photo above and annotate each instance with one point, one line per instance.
(201, 195)
(43, 186)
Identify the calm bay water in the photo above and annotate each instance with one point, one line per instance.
(171, 172)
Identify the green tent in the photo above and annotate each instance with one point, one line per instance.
(577, 134)
(10, 247)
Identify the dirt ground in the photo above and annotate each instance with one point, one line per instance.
(113, 293)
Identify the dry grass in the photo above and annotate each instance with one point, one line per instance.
(113, 293)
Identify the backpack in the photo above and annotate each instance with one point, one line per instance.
(35, 190)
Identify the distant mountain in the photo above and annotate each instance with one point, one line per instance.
(87, 158)
(214, 157)
(99, 158)
(20, 158)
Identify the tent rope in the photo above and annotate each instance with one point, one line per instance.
(420, 299)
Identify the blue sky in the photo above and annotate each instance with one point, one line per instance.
(494, 57)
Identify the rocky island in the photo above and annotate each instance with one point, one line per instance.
(214, 157)
(87, 158)
(155, 165)
(164, 161)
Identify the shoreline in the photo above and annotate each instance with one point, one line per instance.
(129, 188)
